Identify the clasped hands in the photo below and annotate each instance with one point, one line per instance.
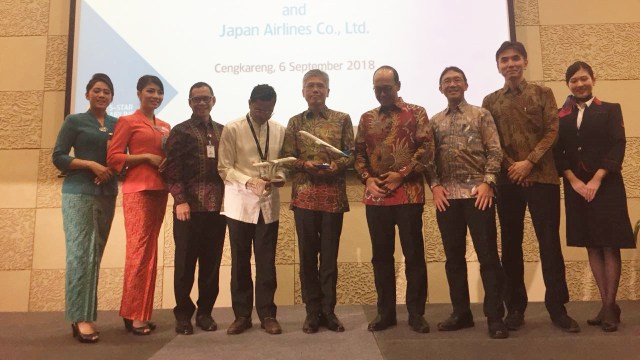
(384, 184)
(518, 172)
(587, 191)
(483, 192)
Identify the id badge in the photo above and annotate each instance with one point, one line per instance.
(211, 151)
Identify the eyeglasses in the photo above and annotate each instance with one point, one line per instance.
(200, 99)
(311, 85)
(386, 89)
(456, 81)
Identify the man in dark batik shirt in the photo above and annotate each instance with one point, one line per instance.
(191, 173)
(319, 197)
(526, 116)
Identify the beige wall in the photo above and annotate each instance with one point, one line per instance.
(33, 40)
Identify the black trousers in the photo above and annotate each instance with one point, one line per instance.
(264, 238)
(543, 201)
(200, 239)
(318, 235)
(382, 221)
(453, 225)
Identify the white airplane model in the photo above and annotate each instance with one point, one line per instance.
(275, 162)
(321, 142)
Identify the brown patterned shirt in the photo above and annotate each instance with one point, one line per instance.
(527, 122)
(313, 192)
(395, 139)
(467, 149)
(191, 175)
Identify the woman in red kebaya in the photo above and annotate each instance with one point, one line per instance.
(137, 147)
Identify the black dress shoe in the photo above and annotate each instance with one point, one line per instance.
(456, 322)
(514, 320)
(239, 325)
(566, 324)
(497, 329)
(331, 322)
(419, 324)
(381, 323)
(271, 326)
(184, 327)
(206, 322)
(311, 323)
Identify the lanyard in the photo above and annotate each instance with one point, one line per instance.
(263, 156)
(211, 135)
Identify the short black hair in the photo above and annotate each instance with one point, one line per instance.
(100, 77)
(396, 77)
(573, 68)
(200, 84)
(515, 45)
(452, 68)
(263, 92)
(149, 79)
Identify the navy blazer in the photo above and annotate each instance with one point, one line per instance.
(598, 144)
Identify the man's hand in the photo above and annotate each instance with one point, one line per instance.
(392, 180)
(330, 171)
(484, 198)
(440, 197)
(310, 167)
(258, 186)
(519, 170)
(376, 187)
(183, 212)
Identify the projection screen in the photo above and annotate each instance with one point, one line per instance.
(235, 45)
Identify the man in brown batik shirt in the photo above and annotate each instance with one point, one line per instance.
(319, 197)
(526, 116)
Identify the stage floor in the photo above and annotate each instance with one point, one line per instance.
(46, 335)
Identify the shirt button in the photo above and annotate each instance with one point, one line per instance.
(579, 148)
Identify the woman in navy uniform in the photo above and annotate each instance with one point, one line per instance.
(589, 156)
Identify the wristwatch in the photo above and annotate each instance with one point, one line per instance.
(490, 179)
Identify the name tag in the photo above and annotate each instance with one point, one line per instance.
(211, 151)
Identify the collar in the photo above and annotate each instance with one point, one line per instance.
(459, 107)
(523, 84)
(589, 102)
(398, 105)
(208, 122)
(324, 113)
(570, 104)
(255, 124)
